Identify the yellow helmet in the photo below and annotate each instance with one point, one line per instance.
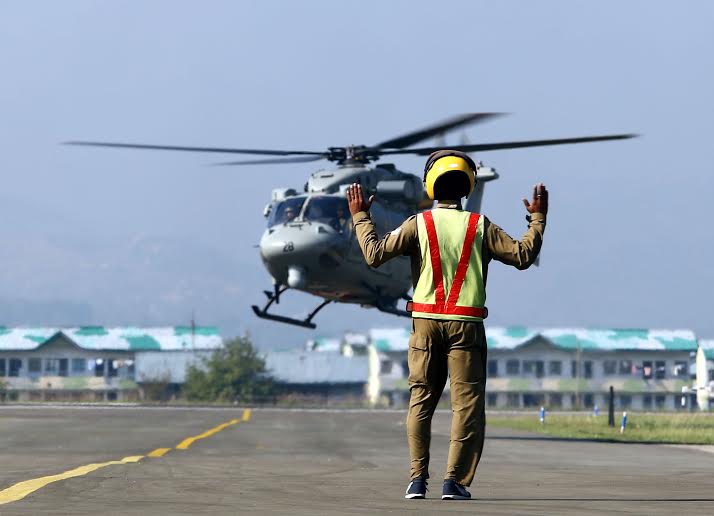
(447, 161)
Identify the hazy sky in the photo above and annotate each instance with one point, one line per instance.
(131, 237)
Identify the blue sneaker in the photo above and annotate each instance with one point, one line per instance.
(416, 489)
(454, 491)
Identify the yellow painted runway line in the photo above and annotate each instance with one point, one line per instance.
(22, 489)
(158, 452)
(186, 443)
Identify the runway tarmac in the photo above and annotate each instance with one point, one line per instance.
(134, 460)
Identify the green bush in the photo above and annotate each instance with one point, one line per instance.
(234, 373)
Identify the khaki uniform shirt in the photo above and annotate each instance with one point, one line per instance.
(404, 241)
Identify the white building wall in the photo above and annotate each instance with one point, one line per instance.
(167, 366)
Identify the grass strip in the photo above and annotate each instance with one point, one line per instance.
(645, 428)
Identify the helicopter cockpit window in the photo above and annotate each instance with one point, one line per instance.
(286, 211)
(330, 210)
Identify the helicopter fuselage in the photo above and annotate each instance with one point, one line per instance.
(310, 244)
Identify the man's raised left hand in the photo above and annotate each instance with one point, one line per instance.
(355, 199)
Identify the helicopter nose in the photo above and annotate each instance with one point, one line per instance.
(297, 246)
(275, 244)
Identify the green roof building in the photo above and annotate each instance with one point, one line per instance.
(96, 363)
(560, 368)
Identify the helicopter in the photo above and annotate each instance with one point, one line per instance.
(309, 244)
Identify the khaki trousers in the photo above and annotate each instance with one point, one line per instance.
(459, 349)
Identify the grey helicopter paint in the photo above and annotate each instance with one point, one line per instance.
(310, 245)
(315, 250)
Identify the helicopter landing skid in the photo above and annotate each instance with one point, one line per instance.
(388, 305)
(393, 310)
(274, 297)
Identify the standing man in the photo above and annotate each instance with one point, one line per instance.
(450, 250)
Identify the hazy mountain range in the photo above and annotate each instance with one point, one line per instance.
(50, 274)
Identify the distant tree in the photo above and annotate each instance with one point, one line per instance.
(233, 373)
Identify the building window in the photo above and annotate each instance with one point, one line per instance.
(34, 365)
(660, 369)
(493, 368)
(625, 401)
(99, 367)
(647, 369)
(680, 368)
(574, 369)
(129, 368)
(533, 368)
(14, 366)
(659, 401)
(112, 367)
(555, 400)
(385, 367)
(588, 399)
(531, 399)
(79, 365)
(680, 401)
(491, 399)
(52, 366)
(588, 369)
(647, 402)
(625, 367)
(513, 400)
(539, 368)
(609, 367)
(555, 368)
(512, 367)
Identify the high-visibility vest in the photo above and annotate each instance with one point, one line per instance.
(450, 284)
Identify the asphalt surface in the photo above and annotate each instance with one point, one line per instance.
(314, 462)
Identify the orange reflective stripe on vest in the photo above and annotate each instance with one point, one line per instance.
(442, 305)
(464, 260)
(435, 259)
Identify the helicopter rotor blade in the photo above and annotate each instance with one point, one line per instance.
(273, 161)
(483, 147)
(228, 150)
(437, 129)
